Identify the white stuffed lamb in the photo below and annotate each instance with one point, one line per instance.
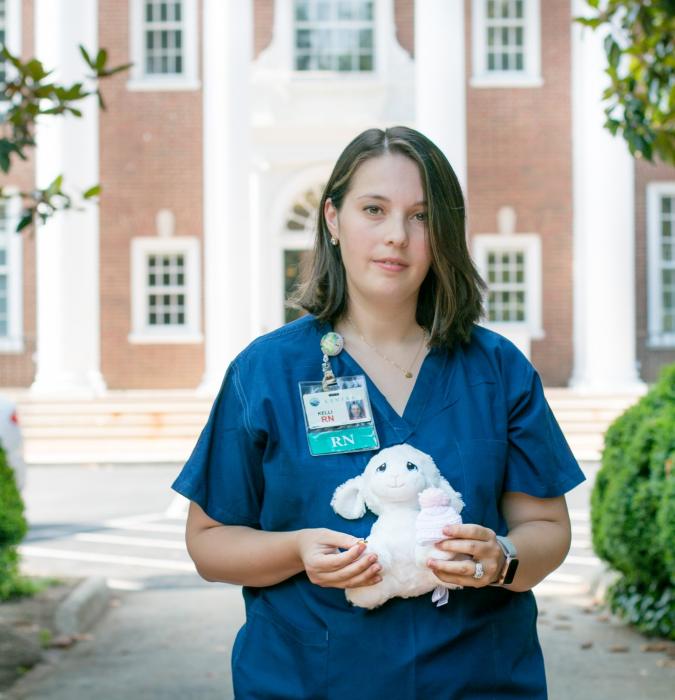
(390, 487)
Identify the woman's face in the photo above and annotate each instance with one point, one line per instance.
(382, 230)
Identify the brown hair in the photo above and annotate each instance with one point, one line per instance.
(450, 297)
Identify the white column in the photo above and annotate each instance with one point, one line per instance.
(440, 79)
(604, 231)
(227, 55)
(68, 338)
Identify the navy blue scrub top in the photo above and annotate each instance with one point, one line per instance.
(480, 412)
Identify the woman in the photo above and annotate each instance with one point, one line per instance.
(391, 275)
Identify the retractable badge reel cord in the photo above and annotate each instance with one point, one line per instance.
(337, 412)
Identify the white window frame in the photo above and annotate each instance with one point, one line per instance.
(13, 38)
(531, 75)
(141, 332)
(530, 243)
(656, 336)
(285, 28)
(336, 73)
(13, 342)
(139, 80)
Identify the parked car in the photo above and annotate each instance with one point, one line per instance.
(11, 439)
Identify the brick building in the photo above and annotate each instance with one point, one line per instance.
(215, 145)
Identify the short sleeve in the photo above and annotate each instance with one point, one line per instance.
(224, 472)
(540, 462)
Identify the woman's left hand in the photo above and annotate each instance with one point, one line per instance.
(480, 544)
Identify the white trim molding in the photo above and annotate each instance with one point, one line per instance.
(657, 336)
(388, 54)
(188, 78)
(530, 74)
(530, 245)
(142, 332)
(13, 341)
(358, 25)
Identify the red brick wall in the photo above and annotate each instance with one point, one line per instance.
(151, 159)
(18, 370)
(651, 359)
(263, 25)
(404, 17)
(520, 155)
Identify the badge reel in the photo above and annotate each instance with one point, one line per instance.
(338, 416)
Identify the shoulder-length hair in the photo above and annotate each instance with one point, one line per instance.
(450, 297)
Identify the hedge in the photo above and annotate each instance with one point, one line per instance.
(633, 509)
(13, 528)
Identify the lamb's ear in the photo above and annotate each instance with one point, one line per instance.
(348, 500)
(455, 496)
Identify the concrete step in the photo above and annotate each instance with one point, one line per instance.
(163, 426)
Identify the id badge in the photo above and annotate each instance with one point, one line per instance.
(338, 420)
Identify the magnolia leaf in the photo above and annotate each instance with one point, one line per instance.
(26, 220)
(101, 59)
(86, 56)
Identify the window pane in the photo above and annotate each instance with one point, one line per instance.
(302, 62)
(344, 9)
(334, 35)
(366, 38)
(345, 62)
(365, 63)
(323, 9)
(365, 10)
(666, 205)
(301, 10)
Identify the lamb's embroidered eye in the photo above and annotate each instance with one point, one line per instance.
(382, 467)
(411, 467)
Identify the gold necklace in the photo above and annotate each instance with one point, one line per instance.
(406, 372)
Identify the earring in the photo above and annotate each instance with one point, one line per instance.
(334, 241)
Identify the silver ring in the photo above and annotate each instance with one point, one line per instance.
(479, 571)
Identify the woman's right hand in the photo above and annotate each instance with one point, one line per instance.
(326, 566)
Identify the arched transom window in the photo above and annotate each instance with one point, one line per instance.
(297, 241)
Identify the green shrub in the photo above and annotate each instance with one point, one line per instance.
(633, 509)
(13, 528)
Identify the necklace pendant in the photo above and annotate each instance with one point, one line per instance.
(408, 375)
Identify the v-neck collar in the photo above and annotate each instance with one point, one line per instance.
(404, 425)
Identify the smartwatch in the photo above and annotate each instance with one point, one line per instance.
(511, 563)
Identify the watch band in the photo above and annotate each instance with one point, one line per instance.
(511, 562)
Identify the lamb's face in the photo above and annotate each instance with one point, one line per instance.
(395, 476)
